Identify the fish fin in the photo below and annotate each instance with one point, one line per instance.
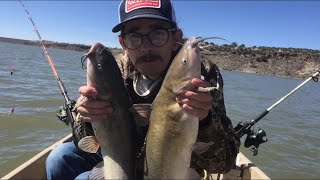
(97, 172)
(192, 174)
(89, 144)
(201, 147)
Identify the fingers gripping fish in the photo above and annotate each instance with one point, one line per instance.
(115, 135)
(172, 131)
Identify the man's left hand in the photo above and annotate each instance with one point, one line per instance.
(195, 102)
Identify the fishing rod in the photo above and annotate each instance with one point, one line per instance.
(68, 103)
(255, 138)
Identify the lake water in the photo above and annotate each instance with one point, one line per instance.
(292, 127)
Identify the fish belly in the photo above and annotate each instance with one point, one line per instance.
(117, 148)
(169, 146)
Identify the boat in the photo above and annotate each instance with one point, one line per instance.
(34, 168)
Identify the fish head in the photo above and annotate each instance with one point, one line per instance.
(185, 66)
(101, 66)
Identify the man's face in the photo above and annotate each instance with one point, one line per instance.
(149, 59)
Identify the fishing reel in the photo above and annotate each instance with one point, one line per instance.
(64, 113)
(253, 139)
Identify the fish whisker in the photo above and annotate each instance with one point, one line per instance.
(205, 47)
(83, 59)
(199, 39)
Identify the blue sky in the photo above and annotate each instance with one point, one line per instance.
(261, 23)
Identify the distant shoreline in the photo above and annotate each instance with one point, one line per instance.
(48, 44)
(284, 62)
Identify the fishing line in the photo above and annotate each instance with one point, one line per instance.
(256, 138)
(68, 102)
(248, 125)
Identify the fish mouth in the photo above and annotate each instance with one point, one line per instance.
(184, 88)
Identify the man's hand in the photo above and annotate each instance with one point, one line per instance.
(194, 102)
(90, 109)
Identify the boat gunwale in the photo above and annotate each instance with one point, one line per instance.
(247, 169)
(41, 154)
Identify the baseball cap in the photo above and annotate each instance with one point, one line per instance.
(134, 9)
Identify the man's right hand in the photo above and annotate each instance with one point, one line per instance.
(92, 110)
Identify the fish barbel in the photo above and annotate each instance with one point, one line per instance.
(172, 131)
(116, 134)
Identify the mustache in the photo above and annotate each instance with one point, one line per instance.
(144, 57)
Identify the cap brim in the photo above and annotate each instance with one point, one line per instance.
(118, 27)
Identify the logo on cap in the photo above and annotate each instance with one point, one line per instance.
(137, 4)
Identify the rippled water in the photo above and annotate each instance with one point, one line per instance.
(292, 127)
(292, 150)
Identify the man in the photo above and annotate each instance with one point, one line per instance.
(150, 39)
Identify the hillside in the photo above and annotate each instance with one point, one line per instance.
(288, 62)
